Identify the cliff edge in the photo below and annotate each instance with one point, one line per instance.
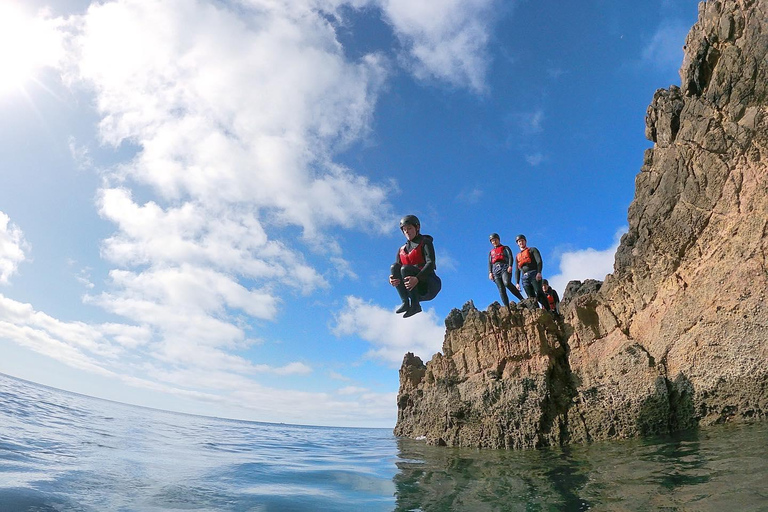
(677, 336)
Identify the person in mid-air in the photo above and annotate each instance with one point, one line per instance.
(530, 265)
(413, 272)
(552, 298)
(500, 268)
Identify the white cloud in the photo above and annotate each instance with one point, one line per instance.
(585, 264)
(665, 49)
(12, 248)
(390, 334)
(294, 368)
(337, 376)
(446, 40)
(351, 390)
(236, 115)
(77, 344)
(535, 159)
(470, 196)
(531, 122)
(226, 383)
(446, 262)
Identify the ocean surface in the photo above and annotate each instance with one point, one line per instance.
(65, 452)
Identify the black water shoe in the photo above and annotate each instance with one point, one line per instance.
(412, 311)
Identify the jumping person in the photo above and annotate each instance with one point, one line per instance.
(413, 272)
(530, 265)
(552, 298)
(500, 268)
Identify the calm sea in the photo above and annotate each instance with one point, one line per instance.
(65, 452)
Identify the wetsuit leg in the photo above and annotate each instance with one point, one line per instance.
(433, 287)
(395, 271)
(502, 290)
(540, 295)
(527, 277)
(413, 294)
(508, 284)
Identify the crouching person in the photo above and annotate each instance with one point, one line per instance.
(413, 272)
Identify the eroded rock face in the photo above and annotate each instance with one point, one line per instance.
(677, 336)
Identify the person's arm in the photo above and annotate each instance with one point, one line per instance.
(428, 250)
(510, 259)
(490, 263)
(517, 273)
(537, 258)
(395, 280)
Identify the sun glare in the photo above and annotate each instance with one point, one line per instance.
(27, 44)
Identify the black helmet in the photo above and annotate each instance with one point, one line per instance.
(410, 219)
(520, 237)
(493, 235)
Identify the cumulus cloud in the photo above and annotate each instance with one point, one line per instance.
(390, 336)
(446, 40)
(12, 248)
(234, 114)
(586, 264)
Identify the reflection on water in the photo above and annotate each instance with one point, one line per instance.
(64, 452)
(721, 468)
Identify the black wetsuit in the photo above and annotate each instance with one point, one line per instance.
(429, 284)
(501, 275)
(555, 299)
(531, 285)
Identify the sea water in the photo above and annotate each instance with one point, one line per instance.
(65, 452)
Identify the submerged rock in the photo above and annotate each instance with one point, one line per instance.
(677, 336)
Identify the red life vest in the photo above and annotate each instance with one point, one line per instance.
(524, 257)
(415, 257)
(497, 254)
(551, 299)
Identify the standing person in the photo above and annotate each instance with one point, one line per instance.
(500, 268)
(413, 272)
(552, 298)
(529, 264)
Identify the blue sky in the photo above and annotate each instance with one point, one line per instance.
(199, 199)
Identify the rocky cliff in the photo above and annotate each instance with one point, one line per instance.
(677, 336)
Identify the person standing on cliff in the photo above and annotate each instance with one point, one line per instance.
(413, 272)
(500, 268)
(530, 265)
(552, 298)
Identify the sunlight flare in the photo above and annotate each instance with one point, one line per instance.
(27, 44)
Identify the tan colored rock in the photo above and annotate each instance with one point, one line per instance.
(677, 336)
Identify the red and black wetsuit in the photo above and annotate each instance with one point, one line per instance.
(499, 260)
(552, 298)
(419, 252)
(417, 258)
(529, 263)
